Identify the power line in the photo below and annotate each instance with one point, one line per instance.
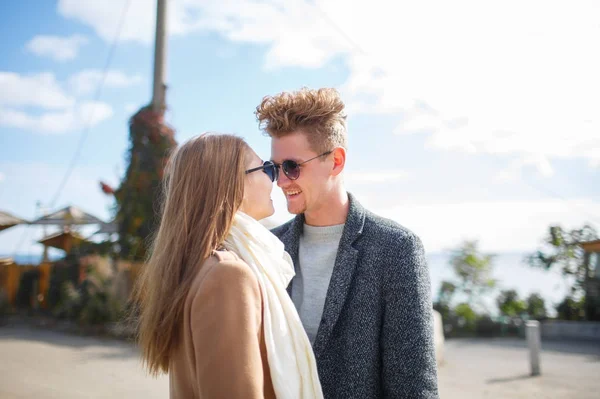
(26, 233)
(592, 218)
(87, 127)
(21, 241)
(335, 26)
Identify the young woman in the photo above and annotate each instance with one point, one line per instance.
(213, 308)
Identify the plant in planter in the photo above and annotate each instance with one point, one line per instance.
(91, 303)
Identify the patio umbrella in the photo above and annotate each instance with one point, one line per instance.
(7, 220)
(70, 215)
(64, 240)
(108, 228)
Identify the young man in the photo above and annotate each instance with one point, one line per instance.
(362, 284)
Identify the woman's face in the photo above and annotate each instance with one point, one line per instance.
(257, 201)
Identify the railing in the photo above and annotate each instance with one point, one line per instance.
(576, 330)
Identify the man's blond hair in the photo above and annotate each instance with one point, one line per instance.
(319, 114)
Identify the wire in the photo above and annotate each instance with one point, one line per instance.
(21, 241)
(593, 218)
(335, 26)
(87, 127)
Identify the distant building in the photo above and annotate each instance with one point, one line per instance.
(592, 279)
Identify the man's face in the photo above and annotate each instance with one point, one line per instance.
(305, 193)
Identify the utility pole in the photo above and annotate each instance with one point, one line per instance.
(151, 142)
(160, 48)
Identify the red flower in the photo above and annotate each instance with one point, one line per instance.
(106, 189)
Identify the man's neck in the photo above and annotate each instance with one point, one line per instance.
(333, 211)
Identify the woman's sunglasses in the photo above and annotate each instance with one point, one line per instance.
(292, 168)
(269, 168)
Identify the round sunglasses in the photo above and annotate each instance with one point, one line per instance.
(269, 168)
(292, 168)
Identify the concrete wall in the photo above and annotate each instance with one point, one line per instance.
(10, 277)
(576, 330)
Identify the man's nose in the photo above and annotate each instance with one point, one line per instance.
(282, 179)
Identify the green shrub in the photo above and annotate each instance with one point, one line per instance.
(91, 303)
(62, 272)
(571, 309)
(486, 327)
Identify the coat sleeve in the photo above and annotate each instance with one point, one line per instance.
(407, 344)
(226, 326)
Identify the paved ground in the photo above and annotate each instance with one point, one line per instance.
(494, 369)
(43, 364)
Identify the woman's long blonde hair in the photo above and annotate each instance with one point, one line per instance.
(203, 188)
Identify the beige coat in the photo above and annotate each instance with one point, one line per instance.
(221, 351)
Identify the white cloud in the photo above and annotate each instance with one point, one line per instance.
(457, 74)
(57, 107)
(513, 171)
(500, 226)
(528, 90)
(56, 47)
(297, 34)
(1, 177)
(87, 81)
(280, 24)
(512, 78)
(104, 17)
(38, 90)
(58, 111)
(57, 122)
(380, 176)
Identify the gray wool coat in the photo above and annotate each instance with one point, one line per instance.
(375, 339)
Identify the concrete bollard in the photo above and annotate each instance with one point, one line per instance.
(532, 332)
(438, 337)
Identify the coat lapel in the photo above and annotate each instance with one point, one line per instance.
(291, 241)
(343, 270)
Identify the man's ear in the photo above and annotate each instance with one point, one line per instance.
(339, 160)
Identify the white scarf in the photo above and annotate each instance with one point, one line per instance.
(290, 355)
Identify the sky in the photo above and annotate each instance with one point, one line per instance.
(466, 119)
